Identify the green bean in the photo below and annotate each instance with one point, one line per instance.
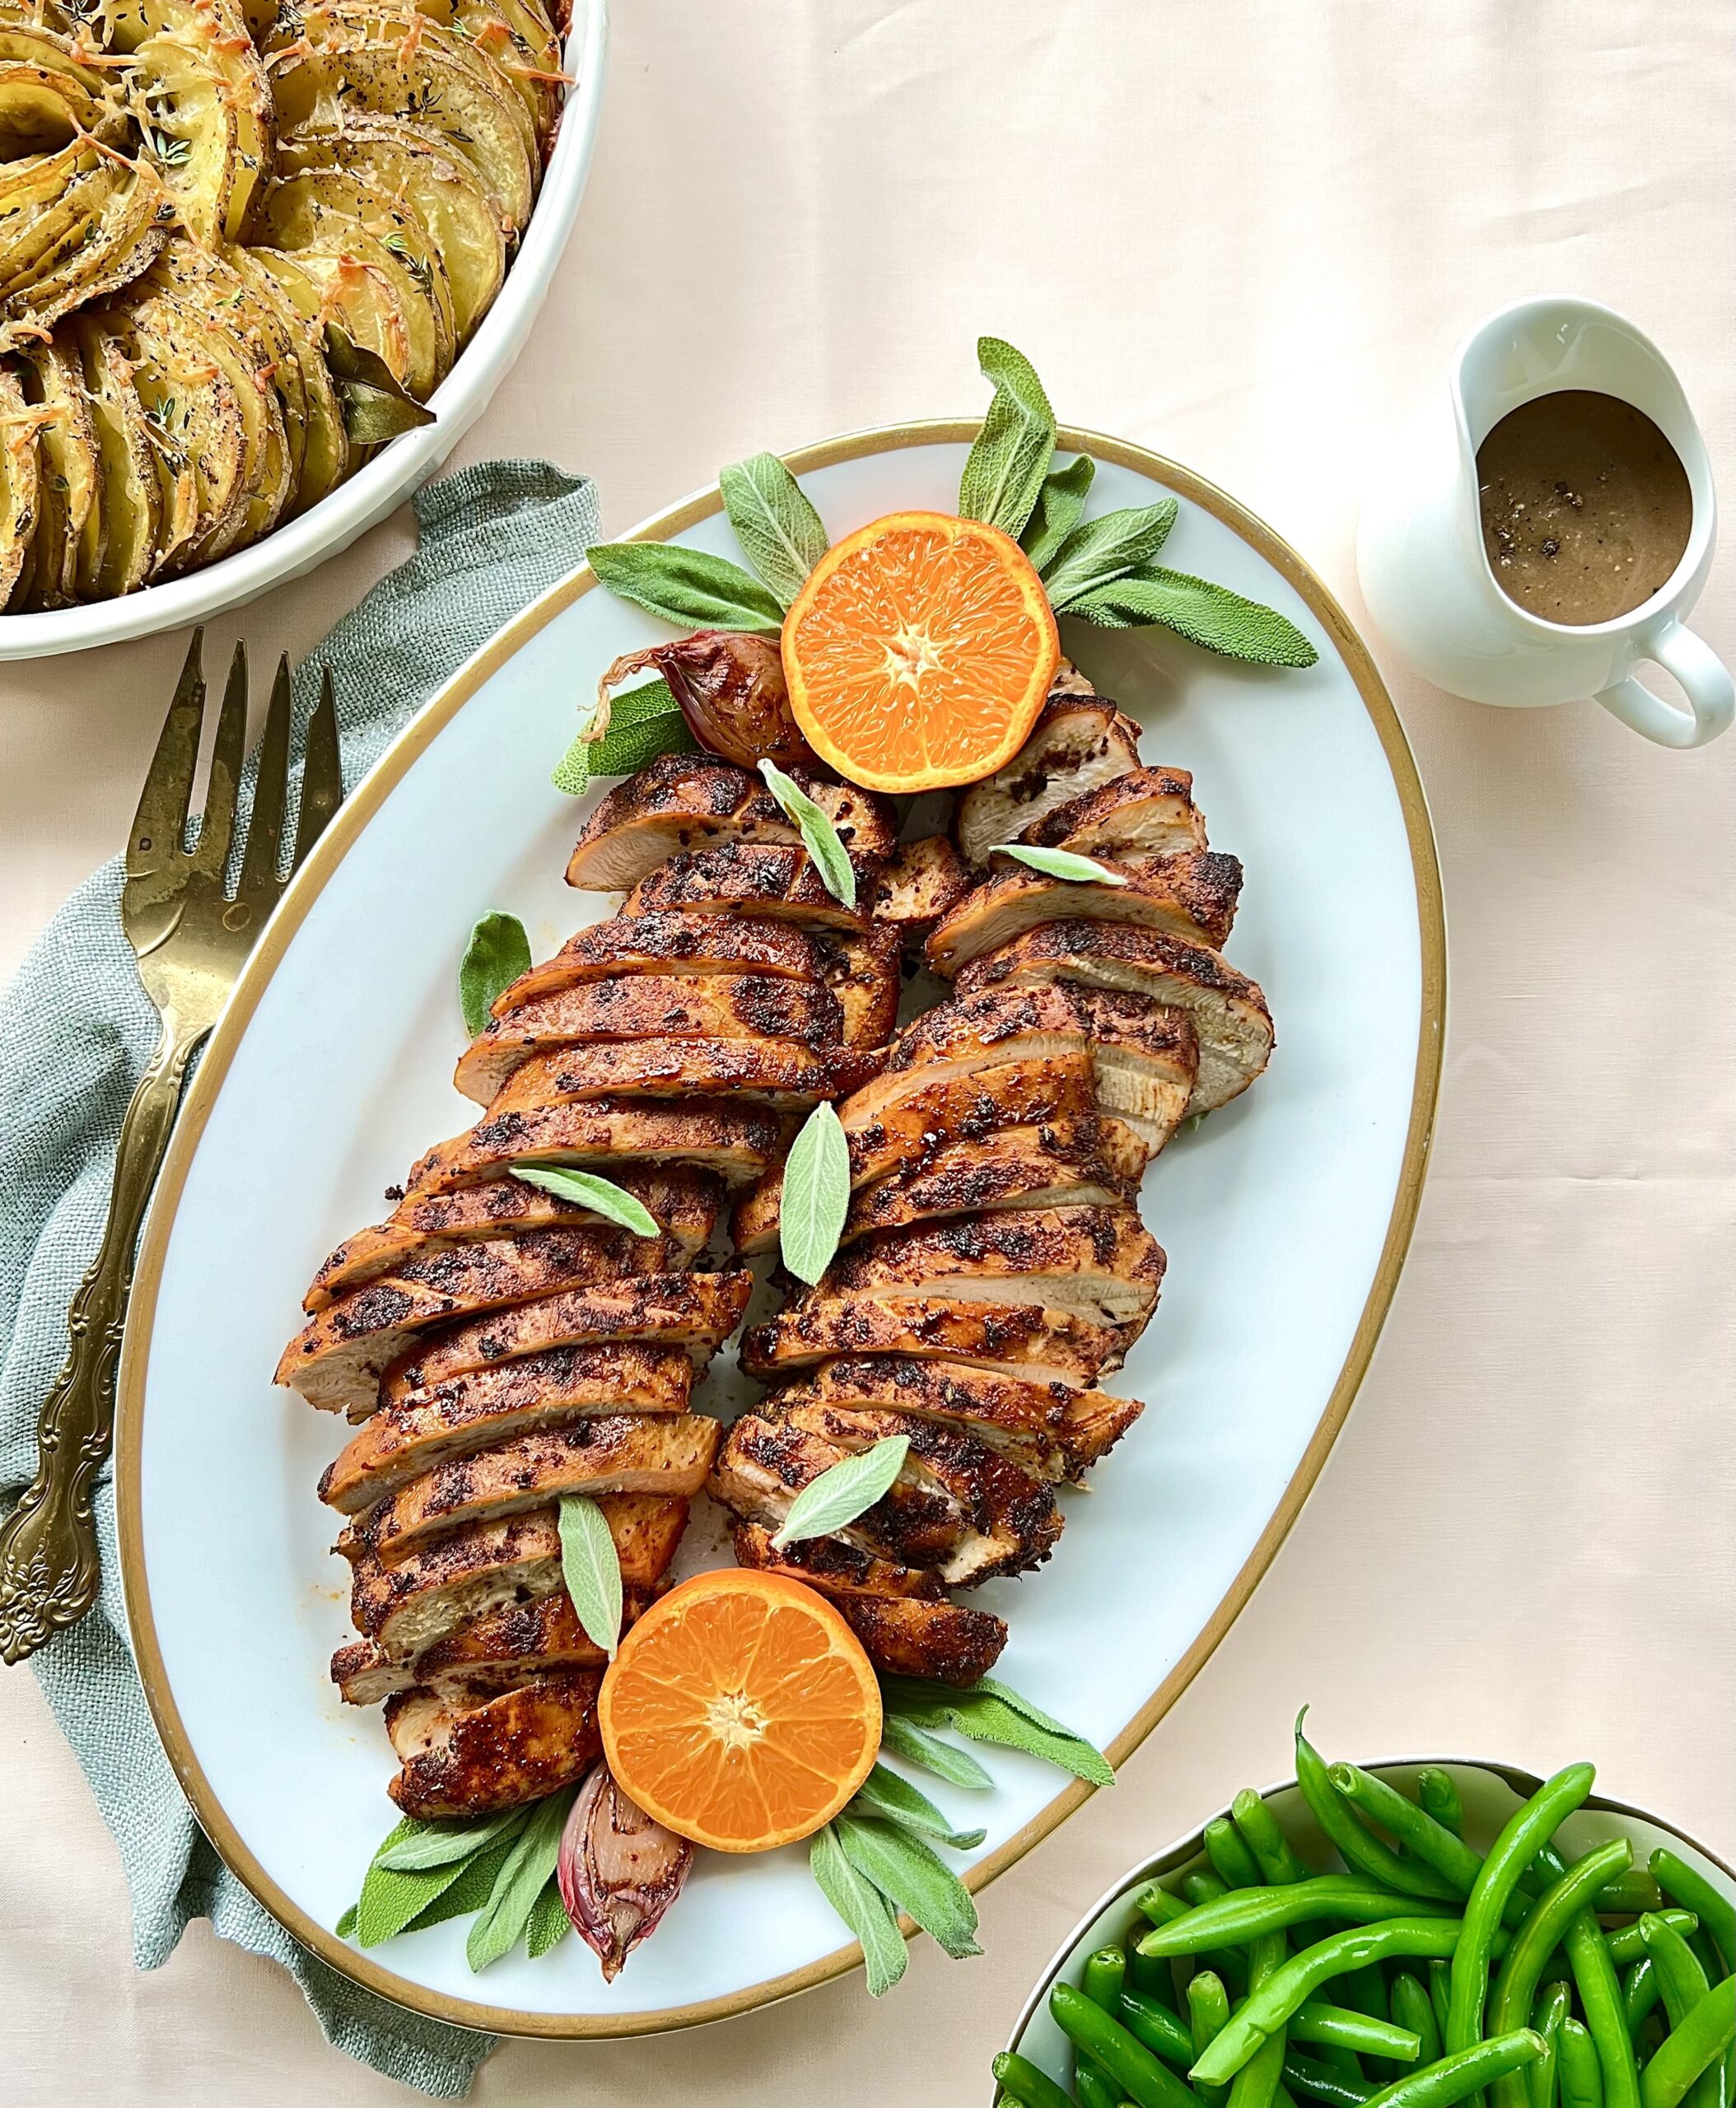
(1156, 2028)
(1365, 1990)
(1544, 1928)
(1229, 1855)
(1150, 1975)
(1260, 1832)
(1414, 1827)
(1260, 2081)
(1682, 1975)
(1314, 2021)
(1105, 1972)
(1245, 1913)
(1148, 2083)
(1030, 2088)
(1641, 1989)
(1600, 2001)
(1198, 1886)
(1155, 1902)
(1694, 1892)
(1358, 1848)
(1546, 2017)
(1320, 2082)
(1462, 2072)
(1208, 2015)
(1705, 2033)
(1441, 1979)
(1628, 1943)
(1278, 1996)
(1582, 2076)
(1413, 2010)
(1093, 2085)
(1439, 1796)
(1636, 1890)
(1532, 1825)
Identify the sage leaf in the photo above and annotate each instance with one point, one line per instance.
(1206, 614)
(685, 586)
(957, 1766)
(347, 1924)
(390, 1900)
(438, 1845)
(591, 1568)
(914, 1878)
(885, 1793)
(644, 723)
(1004, 470)
(819, 838)
(549, 1923)
(1105, 549)
(863, 1909)
(586, 1190)
(475, 1882)
(844, 1491)
(1062, 864)
(995, 1715)
(1059, 508)
(519, 1883)
(816, 1195)
(774, 522)
(497, 953)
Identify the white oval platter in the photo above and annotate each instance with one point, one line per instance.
(1286, 1217)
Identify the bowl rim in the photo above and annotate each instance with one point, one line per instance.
(382, 483)
(354, 814)
(1189, 1846)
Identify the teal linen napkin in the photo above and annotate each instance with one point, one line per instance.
(75, 1035)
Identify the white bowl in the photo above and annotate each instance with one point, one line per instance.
(398, 469)
(1489, 1792)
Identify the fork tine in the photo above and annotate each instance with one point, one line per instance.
(322, 773)
(217, 834)
(258, 885)
(160, 825)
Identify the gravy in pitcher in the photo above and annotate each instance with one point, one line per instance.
(1586, 508)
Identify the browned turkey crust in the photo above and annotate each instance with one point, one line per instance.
(694, 1311)
(516, 1746)
(770, 880)
(1229, 1011)
(832, 1566)
(667, 944)
(650, 1005)
(684, 802)
(1148, 812)
(1079, 743)
(733, 1142)
(336, 1359)
(685, 1205)
(776, 1073)
(863, 973)
(920, 882)
(619, 1453)
(422, 1429)
(1194, 896)
(1062, 1163)
(414, 1606)
(503, 1647)
(1034, 1344)
(946, 1643)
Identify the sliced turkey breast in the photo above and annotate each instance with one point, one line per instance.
(1145, 1055)
(682, 802)
(422, 1429)
(619, 1453)
(731, 1007)
(1102, 1263)
(779, 1073)
(1194, 896)
(463, 1759)
(833, 1566)
(1033, 1345)
(504, 1647)
(1079, 743)
(767, 880)
(336, 1360)
(664, 944)
(1229, 1011)
(685, 1204)
(863, 973)
(410, 1607)
(920, 882)
(1148, 812)
(694, 1311)
(1062, 1163)
(735, 1142)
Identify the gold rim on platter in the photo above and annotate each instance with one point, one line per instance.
(352, 818)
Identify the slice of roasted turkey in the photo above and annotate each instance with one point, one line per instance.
(472, 1754)
(1079, 743)
(779, 1073)
(1192, 896)
(1022, 1340)
(770, 881)
(1148, 812)
(503, 1647)
(663, 944)
(734, 1142)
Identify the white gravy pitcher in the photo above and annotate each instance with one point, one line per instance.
(1420, 546)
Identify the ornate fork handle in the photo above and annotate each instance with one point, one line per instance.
(48, 1568)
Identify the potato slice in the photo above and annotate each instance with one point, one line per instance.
(29, 43)
(67, 443)
(203, 104)
(130, 497)
(519, 40)
(185, 404)
(119, 242)
(327, 456)
(20, 477)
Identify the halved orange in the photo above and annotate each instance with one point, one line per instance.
(740, 1711)
(919, 652)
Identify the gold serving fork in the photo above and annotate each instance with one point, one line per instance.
(192, 939)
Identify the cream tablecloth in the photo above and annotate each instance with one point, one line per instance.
(1249, 235)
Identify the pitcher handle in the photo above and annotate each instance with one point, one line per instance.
(1705, 680)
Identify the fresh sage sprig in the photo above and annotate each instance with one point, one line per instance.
(442, 1844)
(591, 1568)
(585, 1189)
(395, 1899)
(989, 1711)
(819, 837)
(891, 1796)
(914, 1878)
(1194, 607)
(774, 521)
(933, 1753)
(1062, 864)
(1009, 461)
(497, 953)
(688, 587)
(844, 1491)
(816, 1195)
(523, 1876)
(643, 724)
(863, 1909)
(1059, 508)
(1098, 551)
